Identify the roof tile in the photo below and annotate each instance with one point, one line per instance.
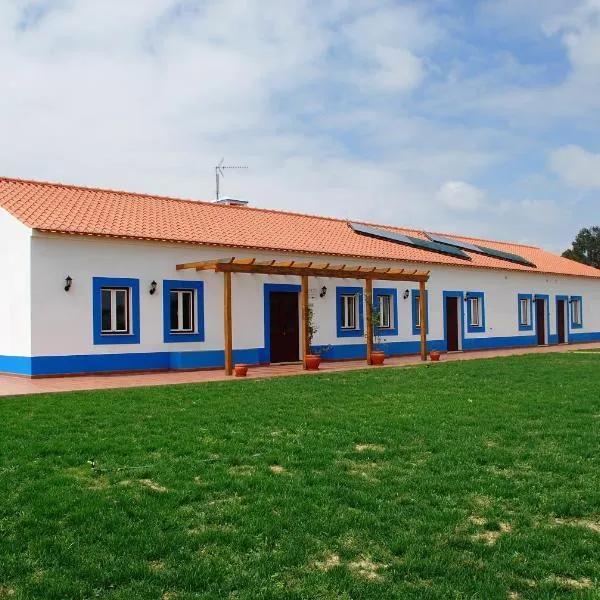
(79, 210)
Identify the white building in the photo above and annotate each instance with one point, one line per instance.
(117, 249)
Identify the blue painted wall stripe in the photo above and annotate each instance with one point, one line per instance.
(142, 361)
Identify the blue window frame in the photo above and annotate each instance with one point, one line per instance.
(386, 300)
(475, 312)
(525, 312)
(415, 295)
(576, 305)
(183, 311)
(116, 310)
(349, 311)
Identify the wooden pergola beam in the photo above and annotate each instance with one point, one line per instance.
(228, 323)
(423, 319)
(343, 272)
(369, 309)
(305, 324)
(291, 267)
(350, 273)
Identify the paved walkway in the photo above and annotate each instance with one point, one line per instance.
(12, 386)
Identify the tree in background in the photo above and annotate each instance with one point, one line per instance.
(586, 247)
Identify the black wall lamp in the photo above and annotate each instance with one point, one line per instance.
(68, 283)
(406, 294)
(323, 291)
(467, 296)
(153, 287)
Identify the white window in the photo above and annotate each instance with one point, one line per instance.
(349, 311)
(576, 309)
(385, 311)
(417, 310)
(182, 303)
(475, 306)
(115, 310)
(525, 311)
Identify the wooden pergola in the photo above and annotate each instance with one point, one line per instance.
(304, 270)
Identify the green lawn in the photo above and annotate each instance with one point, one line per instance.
(475, 479)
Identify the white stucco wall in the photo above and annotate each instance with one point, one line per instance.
(62, 322)
(15, 298)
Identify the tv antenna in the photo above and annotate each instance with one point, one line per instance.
(220, 172)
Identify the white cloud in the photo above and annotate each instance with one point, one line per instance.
(460, 195)
(576, 167)
(398, 69)
(149, 94)
(327, 102)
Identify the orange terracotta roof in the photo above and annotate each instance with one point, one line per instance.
(70, 209)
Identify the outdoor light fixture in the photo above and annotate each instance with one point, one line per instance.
(406, 294)
(153, 288)
(467, 296)
(323, 291)
(68, 283)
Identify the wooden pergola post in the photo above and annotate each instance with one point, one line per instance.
(423, 319)
(228, 324)
(305, 310)
(369, 309)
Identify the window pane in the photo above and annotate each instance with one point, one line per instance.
(187, 311)
(385, 311)
(352, 312)
(122, 308)
(106, 304)
(348, 312)
(475, 312)
(577, 312)
(174, 310)
(417, 311)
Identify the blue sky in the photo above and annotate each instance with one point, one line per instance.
(475, 117)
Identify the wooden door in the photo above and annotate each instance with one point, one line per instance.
(540, 321)
(285, 327)
(452, 324)
(560, 320)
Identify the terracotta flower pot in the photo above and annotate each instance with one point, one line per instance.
(377, 357)
(434, 355)
(312, 362)
(240, 370)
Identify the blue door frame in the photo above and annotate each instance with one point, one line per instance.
(268, 288)
(546, 299)
(567, 316)
(461, 314)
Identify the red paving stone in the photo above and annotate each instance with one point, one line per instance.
(13, 386)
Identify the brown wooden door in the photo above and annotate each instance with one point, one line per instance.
(540, 321)
(452, 323)
(560, 321)
(285, 327)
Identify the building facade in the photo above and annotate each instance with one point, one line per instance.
(90, 290)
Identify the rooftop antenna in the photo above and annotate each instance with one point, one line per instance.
(220, 172)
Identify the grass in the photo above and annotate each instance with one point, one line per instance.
(475, 479)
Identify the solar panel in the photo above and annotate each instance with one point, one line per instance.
(450, 242)
(380, 233)
(408, 240)
(508, 256)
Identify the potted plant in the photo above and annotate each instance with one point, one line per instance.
(434, 355)
(240, 370)
(377, 354)
(312, 361)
